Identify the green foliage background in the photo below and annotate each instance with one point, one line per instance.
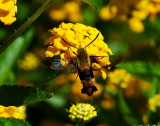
(143, 58)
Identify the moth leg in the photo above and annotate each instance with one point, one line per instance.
(76, 76)
(94, 58)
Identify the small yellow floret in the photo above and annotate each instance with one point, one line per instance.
(29, 62)
(154, 102)
(104, 75)
(82, 111)
(70, 10)
(108, 12)
(13, 112)
(136, 25)
(131, 11)
(8, 9)
(49, 54)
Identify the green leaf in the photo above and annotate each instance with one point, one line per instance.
(147, 71)
(119, 48)
(141, 68)
(20, 95)
(13, 122)
(94, 3)
(9, 57)
(89, 16)
(126, 111)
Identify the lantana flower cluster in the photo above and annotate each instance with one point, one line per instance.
(70, 10)
(154, 103)
(132, 11)
(78, 35)
(119, 77)
(8, 9)
(29, 62)
(13, 112)
(82, 111)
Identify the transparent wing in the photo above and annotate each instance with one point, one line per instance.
(57, 65)
(116, 60)
(113, 59)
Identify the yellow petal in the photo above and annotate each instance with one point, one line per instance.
(104, 75)
(49, 54)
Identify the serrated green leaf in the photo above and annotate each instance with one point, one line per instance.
(94, 3)
(13, 122)
(20, 95)
(9, 57)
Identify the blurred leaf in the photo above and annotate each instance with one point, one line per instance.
(57, 101)
(147, 71)
(94, 3)
(3, 34)
(119, 48)
(13, 122)
(20, 95)
(23, 10)
(140, 67)
(89, 17)
(155, 87)
(126, 111)
(152, 29)
(41, 75)
(9, 57)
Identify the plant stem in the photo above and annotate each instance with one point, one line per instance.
(5, 44)
(79, 124)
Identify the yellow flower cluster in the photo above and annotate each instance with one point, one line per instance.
(78, 35)
(82, 111)
(119, 77)
(29, 62)
(70, 10)
(132, 11)
(154, 102)
(13, 112)
(8, 9)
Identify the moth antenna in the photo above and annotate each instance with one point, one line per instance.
(68, 43)
(73, 51)
(92, 40)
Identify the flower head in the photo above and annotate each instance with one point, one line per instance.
(29, 62)
(154, 102)
(82, 111)
(13, 112)
(119, 77)
(131, 11)
(78, 35)
(70, 10)
(8, 9)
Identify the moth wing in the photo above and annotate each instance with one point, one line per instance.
(113, 59)
(57, 65)
(116, 60)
